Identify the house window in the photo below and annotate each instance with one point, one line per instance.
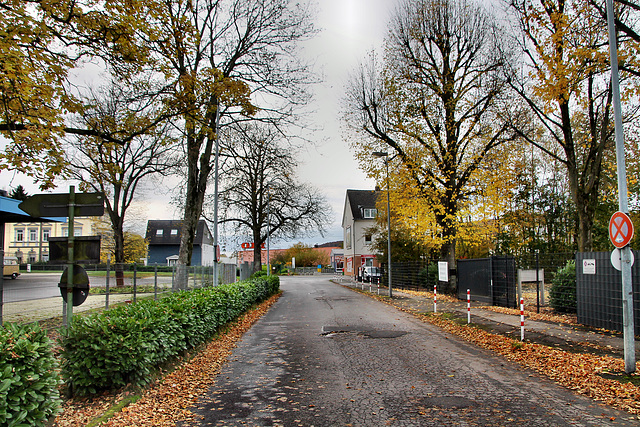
(159, 232)
(174, 231)
(46, 232)
(348, 238)
(19, 235)
(33, 234)
(370, 213)
(32, 257)
(77, 231)
(367, 238)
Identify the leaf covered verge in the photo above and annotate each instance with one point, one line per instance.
(167, 400)
(596, 376)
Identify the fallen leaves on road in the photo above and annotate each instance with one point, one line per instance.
(578, 372)
(168, 400)
(570, 319)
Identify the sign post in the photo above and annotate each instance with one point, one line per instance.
(66, 205)
(616, 238)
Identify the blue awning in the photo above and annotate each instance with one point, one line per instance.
(10, 212)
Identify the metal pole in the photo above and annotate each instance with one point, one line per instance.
(268, 231)
(70, 243)
(215, 198)
(537, 281)
(106, 300)
(2, 228)
(627, 285)
(386, 162)
(135, 283)
(155, 282)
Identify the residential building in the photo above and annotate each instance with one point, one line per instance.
(358, 219)
(29, 241)
(164, 243)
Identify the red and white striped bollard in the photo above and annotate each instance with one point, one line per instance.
(435, 300)
(468, 306)
(521, 319)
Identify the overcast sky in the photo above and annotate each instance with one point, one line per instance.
(349, 29)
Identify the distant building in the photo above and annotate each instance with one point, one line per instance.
(164, 243)
(29, 241)
(358, 218)
(246, 255)
(337, 259)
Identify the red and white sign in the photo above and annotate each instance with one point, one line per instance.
(620, 229)
(250, 246)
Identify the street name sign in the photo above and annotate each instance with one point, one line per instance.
(57, 204)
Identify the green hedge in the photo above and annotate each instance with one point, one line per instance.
(28, 379)
(123, 345)
(562, 295)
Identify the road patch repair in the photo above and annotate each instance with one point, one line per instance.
(581, 359)
(332, 331)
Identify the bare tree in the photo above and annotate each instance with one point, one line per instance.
(217, 57)
(260, 192)
(436, 104)
(118, 170)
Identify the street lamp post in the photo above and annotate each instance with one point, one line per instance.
(385, 157)
(268, 231)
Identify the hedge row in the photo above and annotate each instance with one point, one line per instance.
(123, 345)
(28, 378)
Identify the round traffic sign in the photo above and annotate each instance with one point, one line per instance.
(620, 229)
(616, 259)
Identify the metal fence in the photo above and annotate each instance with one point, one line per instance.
(35, 294)
(599, 291)
(491, 280)
(502, 282)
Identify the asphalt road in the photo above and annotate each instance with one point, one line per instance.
(327, 356)
(33, 286)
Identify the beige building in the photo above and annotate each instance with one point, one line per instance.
(358, 219)
(29, 241)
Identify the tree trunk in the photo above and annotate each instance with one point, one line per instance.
(257, 258)
(257, 251)
(197, 178)
(118, 237)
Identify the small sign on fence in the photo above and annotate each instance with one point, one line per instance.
(443, 271)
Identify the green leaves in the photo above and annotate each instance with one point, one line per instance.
(123, 345)
(28, 379)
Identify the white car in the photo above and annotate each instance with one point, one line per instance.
(371, 274)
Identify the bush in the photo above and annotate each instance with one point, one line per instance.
(259, 273)
(28, 379)
(123, 345)
(562, 296)
(428, 276)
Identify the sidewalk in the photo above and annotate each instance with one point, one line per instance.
(571, 337)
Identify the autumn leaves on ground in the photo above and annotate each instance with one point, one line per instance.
(168, 399)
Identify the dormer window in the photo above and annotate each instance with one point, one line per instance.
(159, 232)
(369, 213)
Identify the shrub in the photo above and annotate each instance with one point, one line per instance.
(28, 379)
(123, 345)
(428, 276)
(259, 273)
(562, 296)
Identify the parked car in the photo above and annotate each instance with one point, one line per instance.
(371, 274)
(11, 267)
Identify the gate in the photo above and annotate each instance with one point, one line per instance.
(490, 280)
